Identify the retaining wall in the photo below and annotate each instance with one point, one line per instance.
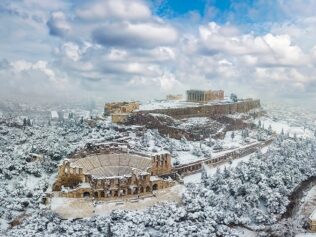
(212, 111)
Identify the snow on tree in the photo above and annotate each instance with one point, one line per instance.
(259, 124)
(232, 135)
(233, 97)
(204, 175)
(254, 193)
(196, 151)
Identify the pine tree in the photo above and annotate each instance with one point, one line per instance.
(109, 231)
(204, 176)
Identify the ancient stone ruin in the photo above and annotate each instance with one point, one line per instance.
(200, 96)
(108, 174)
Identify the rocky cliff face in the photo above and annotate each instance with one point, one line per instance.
(168, 121)
(211, 111)
(166, 126)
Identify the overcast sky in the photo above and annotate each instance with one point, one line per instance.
(125, 49)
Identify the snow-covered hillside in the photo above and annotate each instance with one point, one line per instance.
(248, 195)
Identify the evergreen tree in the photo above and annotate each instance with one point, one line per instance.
(233, 97)
(109, 231)
(259, 124)
(204, 176)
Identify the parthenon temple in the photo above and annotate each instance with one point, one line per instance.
(201, 96)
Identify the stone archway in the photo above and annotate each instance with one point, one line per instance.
(147, 189)
(141, 190)
(86, 194)
(155, 187)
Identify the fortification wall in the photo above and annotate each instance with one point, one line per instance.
(212, 111)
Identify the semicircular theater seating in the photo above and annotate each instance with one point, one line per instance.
(112, 175)
(108, 165)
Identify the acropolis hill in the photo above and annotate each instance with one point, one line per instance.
(103, 171)
(208, 110)
(198, 103)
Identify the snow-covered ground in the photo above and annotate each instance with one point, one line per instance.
(165, 104)
(195, 121)
(70, 208)
(211, 170)
(213, 208)
(306, 235)
(242, 232)
(278, 125)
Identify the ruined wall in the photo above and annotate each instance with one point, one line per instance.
(78, 182)
(212, 111)
(161, 164)
(68, 176)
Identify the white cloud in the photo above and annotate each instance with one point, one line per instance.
(121, 45)
(32, 80)
(58, 24)
(22, 65)
(140, 35)
(168, 82)
(115, 9)
(71, 51)
(269, 49)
